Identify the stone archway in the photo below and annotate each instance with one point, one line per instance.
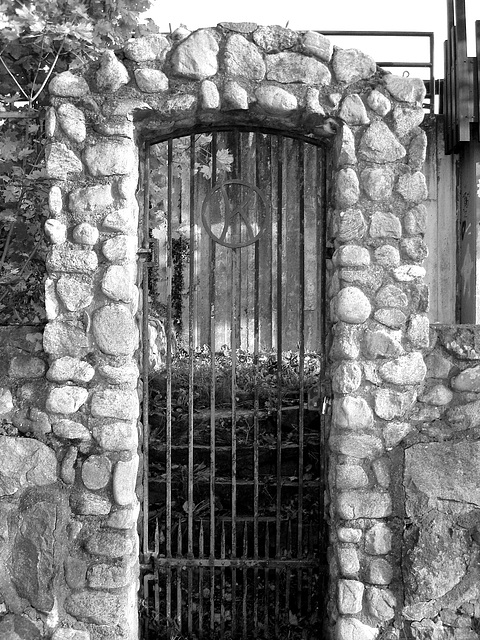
(231, 74)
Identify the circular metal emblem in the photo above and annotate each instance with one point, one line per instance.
(234, 213)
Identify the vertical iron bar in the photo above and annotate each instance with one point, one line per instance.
(245, 583)
(222, 582)
(179, 578)
(234, 346)
(211, 289)
(168, 498)
(267, 584)
(279, 374)
(301, 416)
(145, 352)
(156, 585)
(256, 406)
(289, 550)
(201, 554)
(191, 317)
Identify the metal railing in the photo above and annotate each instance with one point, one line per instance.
(401, 64)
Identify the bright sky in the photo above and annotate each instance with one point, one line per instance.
(344, 15)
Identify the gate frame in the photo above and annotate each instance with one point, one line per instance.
(322, 400)
(285, 80)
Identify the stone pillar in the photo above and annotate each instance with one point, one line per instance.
(378, 334)
(92, 340)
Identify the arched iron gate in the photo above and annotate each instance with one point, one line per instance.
(233, 512)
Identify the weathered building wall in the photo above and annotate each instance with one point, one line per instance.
(441, 452)
(83, 427)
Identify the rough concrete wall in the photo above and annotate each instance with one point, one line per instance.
(99, 116)
(441, 483)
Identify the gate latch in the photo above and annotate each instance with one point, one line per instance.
(319, 399)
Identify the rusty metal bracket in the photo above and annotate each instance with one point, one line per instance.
(149, 254)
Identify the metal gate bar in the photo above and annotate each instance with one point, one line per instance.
(236, 585)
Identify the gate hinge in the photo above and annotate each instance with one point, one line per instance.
(149, 254)
(146, 561)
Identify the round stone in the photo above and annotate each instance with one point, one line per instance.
(409, 272)
(378, 539)
(67, 85)
(387, 256)
(364, 503)
(210, 95)
(275, 38)
(112, 74)
(382, 344)
(348, 534)
(378, 144)
(352, 413)
(315, 44)
(196, 56)
(68, 368)
(71, 430)
(378, 102)
(391, 296)
(405, 370)
(351, 476)
(124, 480)
(349, 225)
(405, 89)
(349, 628)
(413, 187)
(350, 65)
(414, 249)
(346, 377)
(348, 561)
(276, 100)
(379, 571)
(352, 256)
(235, 96)
(115, 330)
(72, 121)
(353, 110)
(67, 399)
(467, 380)
(151, 80)
(377, 183)
(71, 259)
(347, 189)
(115, 403)
(352, 305)
(287, 67)
(390, 317)
(356, 445)
(85, 233)
(406, 118)
(118, 283)
(96, 471)
(151, 47)
(120, 249)
(390, 404)
(56, 231)
(75, 293)
(242, 58)
(350, 596)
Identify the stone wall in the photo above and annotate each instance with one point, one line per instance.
(441, 535)
(74, 510)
